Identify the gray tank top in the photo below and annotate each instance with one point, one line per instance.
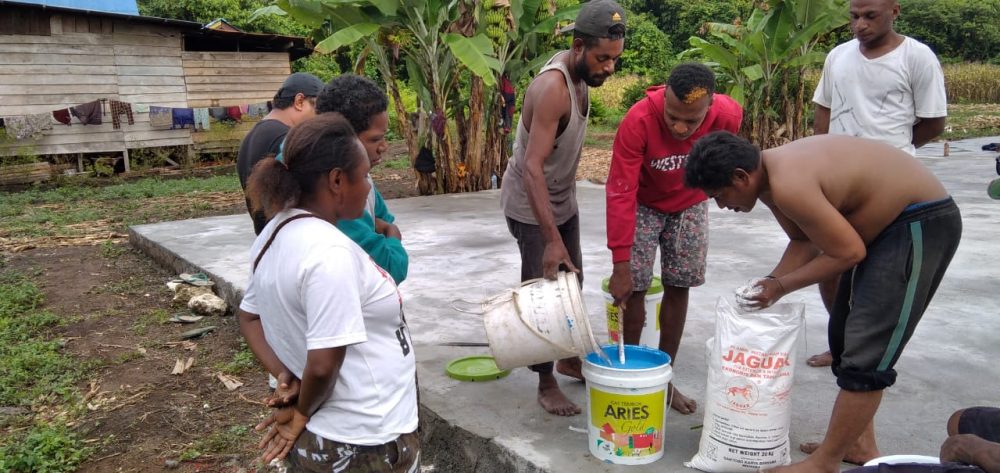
(559, 168)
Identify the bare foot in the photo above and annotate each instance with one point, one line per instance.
(858, 454)
(571, 367)
(555, 402)
(822, 359)
(680, 402)
(806, 466)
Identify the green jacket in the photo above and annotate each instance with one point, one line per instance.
(387, 252)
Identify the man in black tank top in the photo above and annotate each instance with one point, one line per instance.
(539, 186)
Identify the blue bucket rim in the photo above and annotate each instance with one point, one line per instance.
(612, 351)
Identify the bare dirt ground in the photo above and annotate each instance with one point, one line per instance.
(140, 417)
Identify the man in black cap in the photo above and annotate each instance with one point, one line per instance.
(294, 103)
(539, 186)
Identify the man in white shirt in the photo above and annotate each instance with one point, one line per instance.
(880, 85)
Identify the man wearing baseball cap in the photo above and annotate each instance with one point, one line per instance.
(538, 193)
(294, 103)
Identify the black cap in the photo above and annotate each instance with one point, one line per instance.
(596, 17)
(300, 83)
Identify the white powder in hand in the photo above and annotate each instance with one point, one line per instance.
(746, 293)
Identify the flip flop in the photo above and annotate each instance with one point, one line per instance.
(198, 332)
(185, 318)
(196, 279)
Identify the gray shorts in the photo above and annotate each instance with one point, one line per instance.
(313, 453)
(682, 238)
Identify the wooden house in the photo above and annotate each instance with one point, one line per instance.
(53, 57)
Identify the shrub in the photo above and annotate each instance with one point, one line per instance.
(610, 94)
(965, 29)
(972, 83)
(648, 50)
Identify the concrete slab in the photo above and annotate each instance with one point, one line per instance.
(460, 250)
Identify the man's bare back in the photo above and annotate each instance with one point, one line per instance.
(867, 182)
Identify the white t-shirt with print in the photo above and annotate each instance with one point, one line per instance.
(314, 289)
(881, 98)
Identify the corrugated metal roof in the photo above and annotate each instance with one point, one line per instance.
(125, 7)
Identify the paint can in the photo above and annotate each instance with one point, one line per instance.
(650, 336)
(541, 321)
(627, 404)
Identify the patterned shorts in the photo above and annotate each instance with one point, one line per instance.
(314, 454)
(683, 241)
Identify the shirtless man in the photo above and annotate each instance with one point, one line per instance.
(538, 194)
(883, 86)
(854, 207)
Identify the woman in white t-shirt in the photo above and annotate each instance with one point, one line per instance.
(319, 310)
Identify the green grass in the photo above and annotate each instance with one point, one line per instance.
(50, 212)
(226, 441)
(153, 318)
(972, 120)
(33, 369)
(243, 361)
(31, 363)
(46, 448)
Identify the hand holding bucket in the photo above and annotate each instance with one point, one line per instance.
(542, 320)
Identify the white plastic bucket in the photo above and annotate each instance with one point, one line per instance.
(627, 404)
(650, 335)
(543, 320)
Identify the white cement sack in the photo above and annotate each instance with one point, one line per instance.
(748, 395)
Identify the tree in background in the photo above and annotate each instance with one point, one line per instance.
(454, 54)
(762, 63)
(679, 19)
(236, 12)
(955, 29)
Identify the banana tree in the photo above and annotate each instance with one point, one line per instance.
(431, 46)
(762, 62)
(522, 33)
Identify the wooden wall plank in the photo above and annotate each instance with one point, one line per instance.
(139, 50)
(143, 29)
(149, 80)
(264, 87)
(177, 99)
(42, 59)
(63, 89)
(63, 79)
(171, 39)
(246, 97)
(68, 38)
(247, 65)
(147, 61)
(217, 71)
(55, 48)
(232, 56)
(244, 79)
(150, 71)
(71, 70)
(130, 90)
(51, 102)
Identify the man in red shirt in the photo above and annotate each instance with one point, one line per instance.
(649, 206)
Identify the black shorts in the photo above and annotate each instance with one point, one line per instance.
(880, 301)
(531, 244)
(983, 422)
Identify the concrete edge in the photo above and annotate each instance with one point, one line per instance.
(448, 447)
(175, 262)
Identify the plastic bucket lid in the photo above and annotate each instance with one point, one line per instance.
(655, 287)
(475, 368)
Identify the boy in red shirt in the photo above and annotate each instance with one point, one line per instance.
(649, 206)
